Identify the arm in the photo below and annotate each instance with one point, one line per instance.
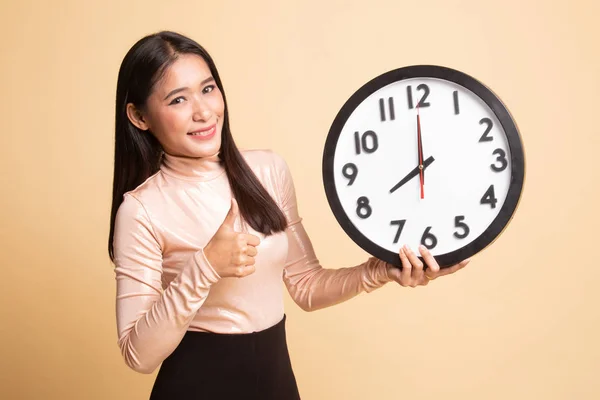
(150, 321)
(311, 286)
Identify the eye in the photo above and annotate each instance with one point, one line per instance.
(175, 100)
(208, 89)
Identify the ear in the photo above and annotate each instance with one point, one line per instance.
(136, 117)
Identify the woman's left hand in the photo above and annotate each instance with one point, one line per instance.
(414, 273)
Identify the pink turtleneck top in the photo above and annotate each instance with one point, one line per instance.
(165, 284)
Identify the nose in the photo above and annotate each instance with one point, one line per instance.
(201, 111)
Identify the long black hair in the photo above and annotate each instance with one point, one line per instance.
(138, 155)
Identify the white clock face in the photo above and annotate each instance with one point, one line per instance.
(466, 156)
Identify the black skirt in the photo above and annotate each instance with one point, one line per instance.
(210, 366)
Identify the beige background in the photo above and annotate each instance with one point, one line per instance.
(521, 322)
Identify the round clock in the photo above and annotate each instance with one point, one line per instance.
(423, 155)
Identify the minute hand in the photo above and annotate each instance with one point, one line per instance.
(412, 174)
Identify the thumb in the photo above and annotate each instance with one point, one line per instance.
(231, 215)
(394, 273)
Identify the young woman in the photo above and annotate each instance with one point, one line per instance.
(204, 237)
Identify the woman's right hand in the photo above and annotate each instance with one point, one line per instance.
(231, 253)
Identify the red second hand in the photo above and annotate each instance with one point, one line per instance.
(420, 149)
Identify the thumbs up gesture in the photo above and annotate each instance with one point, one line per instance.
(232, 253)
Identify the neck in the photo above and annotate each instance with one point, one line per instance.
(192, 168)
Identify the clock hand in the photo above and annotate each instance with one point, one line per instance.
(420, 150)
(412, 174)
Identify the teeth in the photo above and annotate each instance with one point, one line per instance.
(205, 133)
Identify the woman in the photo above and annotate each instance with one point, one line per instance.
(203, 235)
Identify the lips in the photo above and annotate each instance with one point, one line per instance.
(204, 132)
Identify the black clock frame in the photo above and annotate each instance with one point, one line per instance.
(500, 110)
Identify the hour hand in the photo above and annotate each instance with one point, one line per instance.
(412, 174)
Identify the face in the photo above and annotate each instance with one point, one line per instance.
(185, 109)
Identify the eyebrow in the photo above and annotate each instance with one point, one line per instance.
(181, 89)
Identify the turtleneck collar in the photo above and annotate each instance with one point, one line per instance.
(192, 169)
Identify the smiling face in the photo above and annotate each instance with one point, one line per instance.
(185, 109)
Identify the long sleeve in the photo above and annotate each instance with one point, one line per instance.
(151, 321)
(310, 285)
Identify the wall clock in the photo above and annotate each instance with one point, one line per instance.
(423, 155)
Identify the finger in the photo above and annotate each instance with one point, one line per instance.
(251, 239)
(250, 251)
(241, 262)
(243, 259)
(454, 268)
(406, 268)
(432, 266)
(413, 258)
(417, 267)
(244, 270)
(231, 215)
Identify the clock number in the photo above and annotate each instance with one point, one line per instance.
(458, 222)
(400, 224)
(489, 197)
(428, 239)
(485, 137)
(352, 174)
(422, 102)
(456, 107)
(362, 144)
(391, 108)
(363, 209)
(501, 158)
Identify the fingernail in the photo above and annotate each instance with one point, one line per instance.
(422, 248)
